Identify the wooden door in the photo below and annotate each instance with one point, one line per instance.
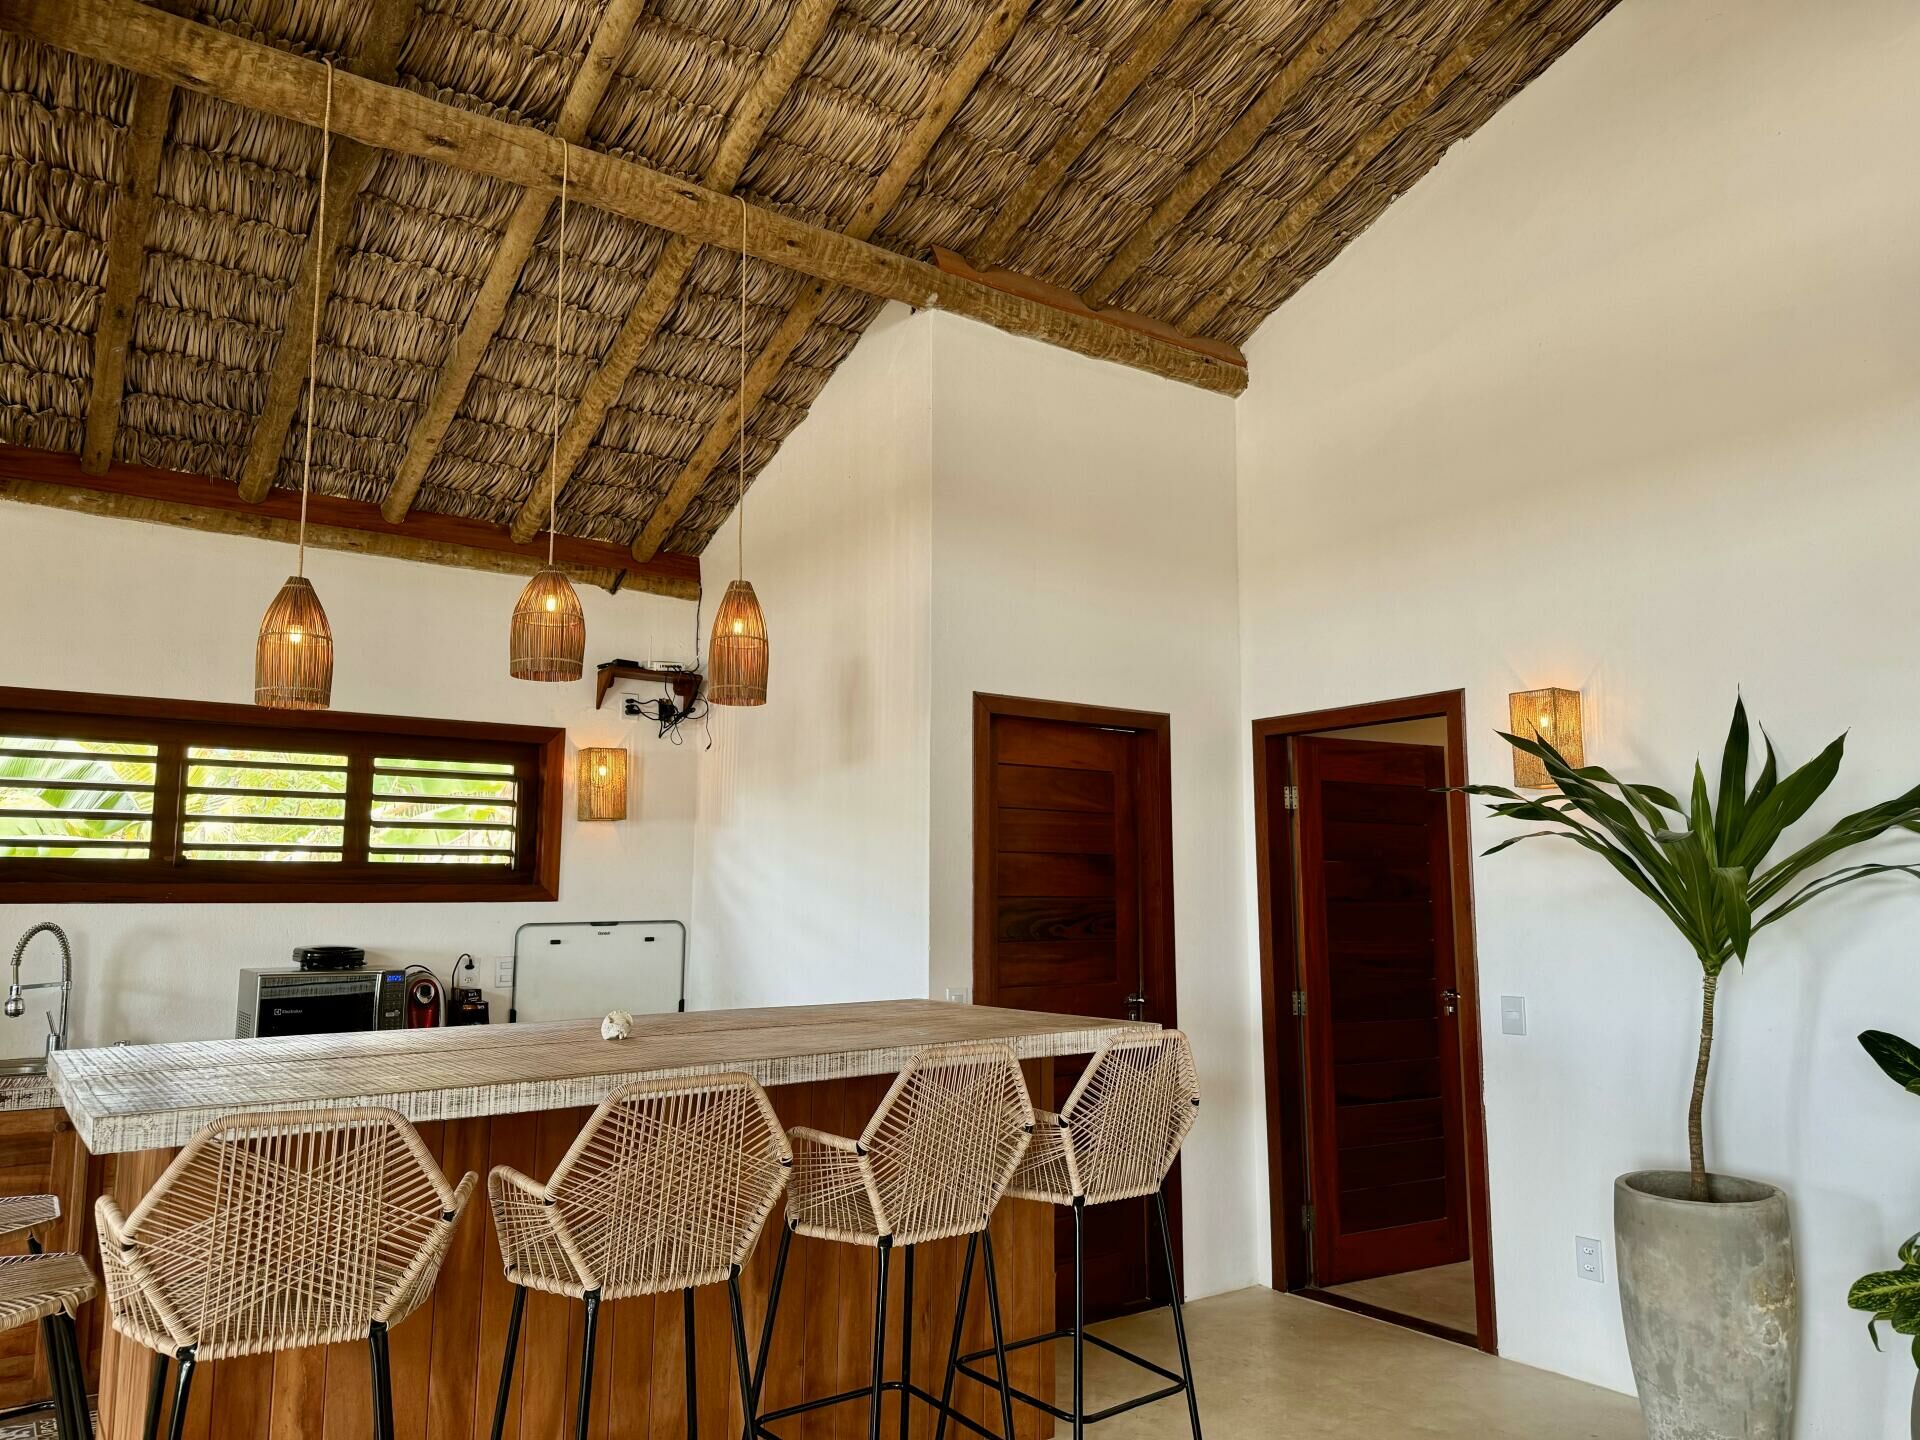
(1385, 1154)
(1073, 915)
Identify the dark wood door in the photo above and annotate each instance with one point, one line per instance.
(1072, 914)
(1386, 1155)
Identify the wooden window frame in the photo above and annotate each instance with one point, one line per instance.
(538, 752)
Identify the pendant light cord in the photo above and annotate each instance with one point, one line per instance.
(313, 330)
(740, 412)
(559, 301)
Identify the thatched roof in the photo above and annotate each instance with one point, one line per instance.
(234, 199)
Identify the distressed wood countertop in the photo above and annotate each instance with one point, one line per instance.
(145, 1097)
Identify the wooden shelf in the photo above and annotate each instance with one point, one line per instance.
(685, 683)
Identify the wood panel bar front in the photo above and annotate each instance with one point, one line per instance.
(446, 1357)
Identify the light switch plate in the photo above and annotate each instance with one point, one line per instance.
(1513, 1014)
(1590, 1262)
(503, 974)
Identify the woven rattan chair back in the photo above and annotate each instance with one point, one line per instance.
(1125, 1121)
(946, 1139)
(667, 1186)
(283, 1229)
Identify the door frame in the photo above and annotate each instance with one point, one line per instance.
(1286, 1101)
(1156, 870)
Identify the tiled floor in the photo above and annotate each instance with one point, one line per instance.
(1442, 1295)
(1277, 1367)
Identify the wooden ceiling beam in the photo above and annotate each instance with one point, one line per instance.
(1233, 147)
(778, 75)
(1308, 207)
(349, 166)
(509, 260)
(1113, 91)
(144, 142)
(994, 31)
(194, 502)
(258, 77)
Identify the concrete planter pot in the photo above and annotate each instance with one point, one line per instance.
(1707, 1292)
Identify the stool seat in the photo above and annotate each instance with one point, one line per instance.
(1119, 1131)
(32, 1287)
(24, 1212)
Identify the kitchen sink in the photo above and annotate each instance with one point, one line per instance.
(11, 1069)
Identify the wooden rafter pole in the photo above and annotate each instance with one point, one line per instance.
(1114, 91)
(1308, 207)
(194, 502)
(145, 141)
(503, 271)
(351, 163)
(1244, 134)
(259, 77)
(988, 41)
(778, 74)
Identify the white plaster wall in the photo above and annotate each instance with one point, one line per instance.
(1083, 550)
(811, 881)
(1626, 397)
(124, 608)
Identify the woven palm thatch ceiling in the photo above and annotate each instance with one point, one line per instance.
(1141, 179)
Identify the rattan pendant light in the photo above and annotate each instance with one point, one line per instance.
(548, 640)
(737, 651)
(293, 657)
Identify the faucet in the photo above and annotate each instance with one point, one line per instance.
(16, 1006)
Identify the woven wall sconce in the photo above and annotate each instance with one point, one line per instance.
(1553, 716)
(548, 638)
(603, 783)
(293, 657)
(737, 651)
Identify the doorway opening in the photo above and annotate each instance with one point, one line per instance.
(1073, 914)
(1376, 1135)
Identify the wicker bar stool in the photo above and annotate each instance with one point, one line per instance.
(1115, 1139)
(24, 1286)
(931, 1164)
(666, 1188)
(49, 1288)
(277, 1231)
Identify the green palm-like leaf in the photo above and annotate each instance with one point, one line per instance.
(1900, 1060)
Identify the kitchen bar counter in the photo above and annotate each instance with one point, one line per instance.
(144, 1097)
(517, 1095)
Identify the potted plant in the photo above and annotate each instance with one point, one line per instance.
(1705, 1260)
(1894, 1295)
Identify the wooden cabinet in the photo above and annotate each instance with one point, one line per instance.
(40, 1154)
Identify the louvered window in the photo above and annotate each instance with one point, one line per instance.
(103, 798)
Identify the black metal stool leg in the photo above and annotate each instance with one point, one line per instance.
(693, 1372)
(766, 1333)
(906, 1345)
(183, 1383)
(740, 1352)
(884, 1253)
(506, 1362)
(953, 1351)
(1179, 1317)
(77, 1373)
(157, 1394)
(999, 1339)
(1079, 1317)
(382, 1382)
(589, 1338)
(57, 1380)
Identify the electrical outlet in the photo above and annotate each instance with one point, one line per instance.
(1513, 1014)
(960, 996)
(1589, 1262)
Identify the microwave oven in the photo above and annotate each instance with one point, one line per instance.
(290, 1001)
